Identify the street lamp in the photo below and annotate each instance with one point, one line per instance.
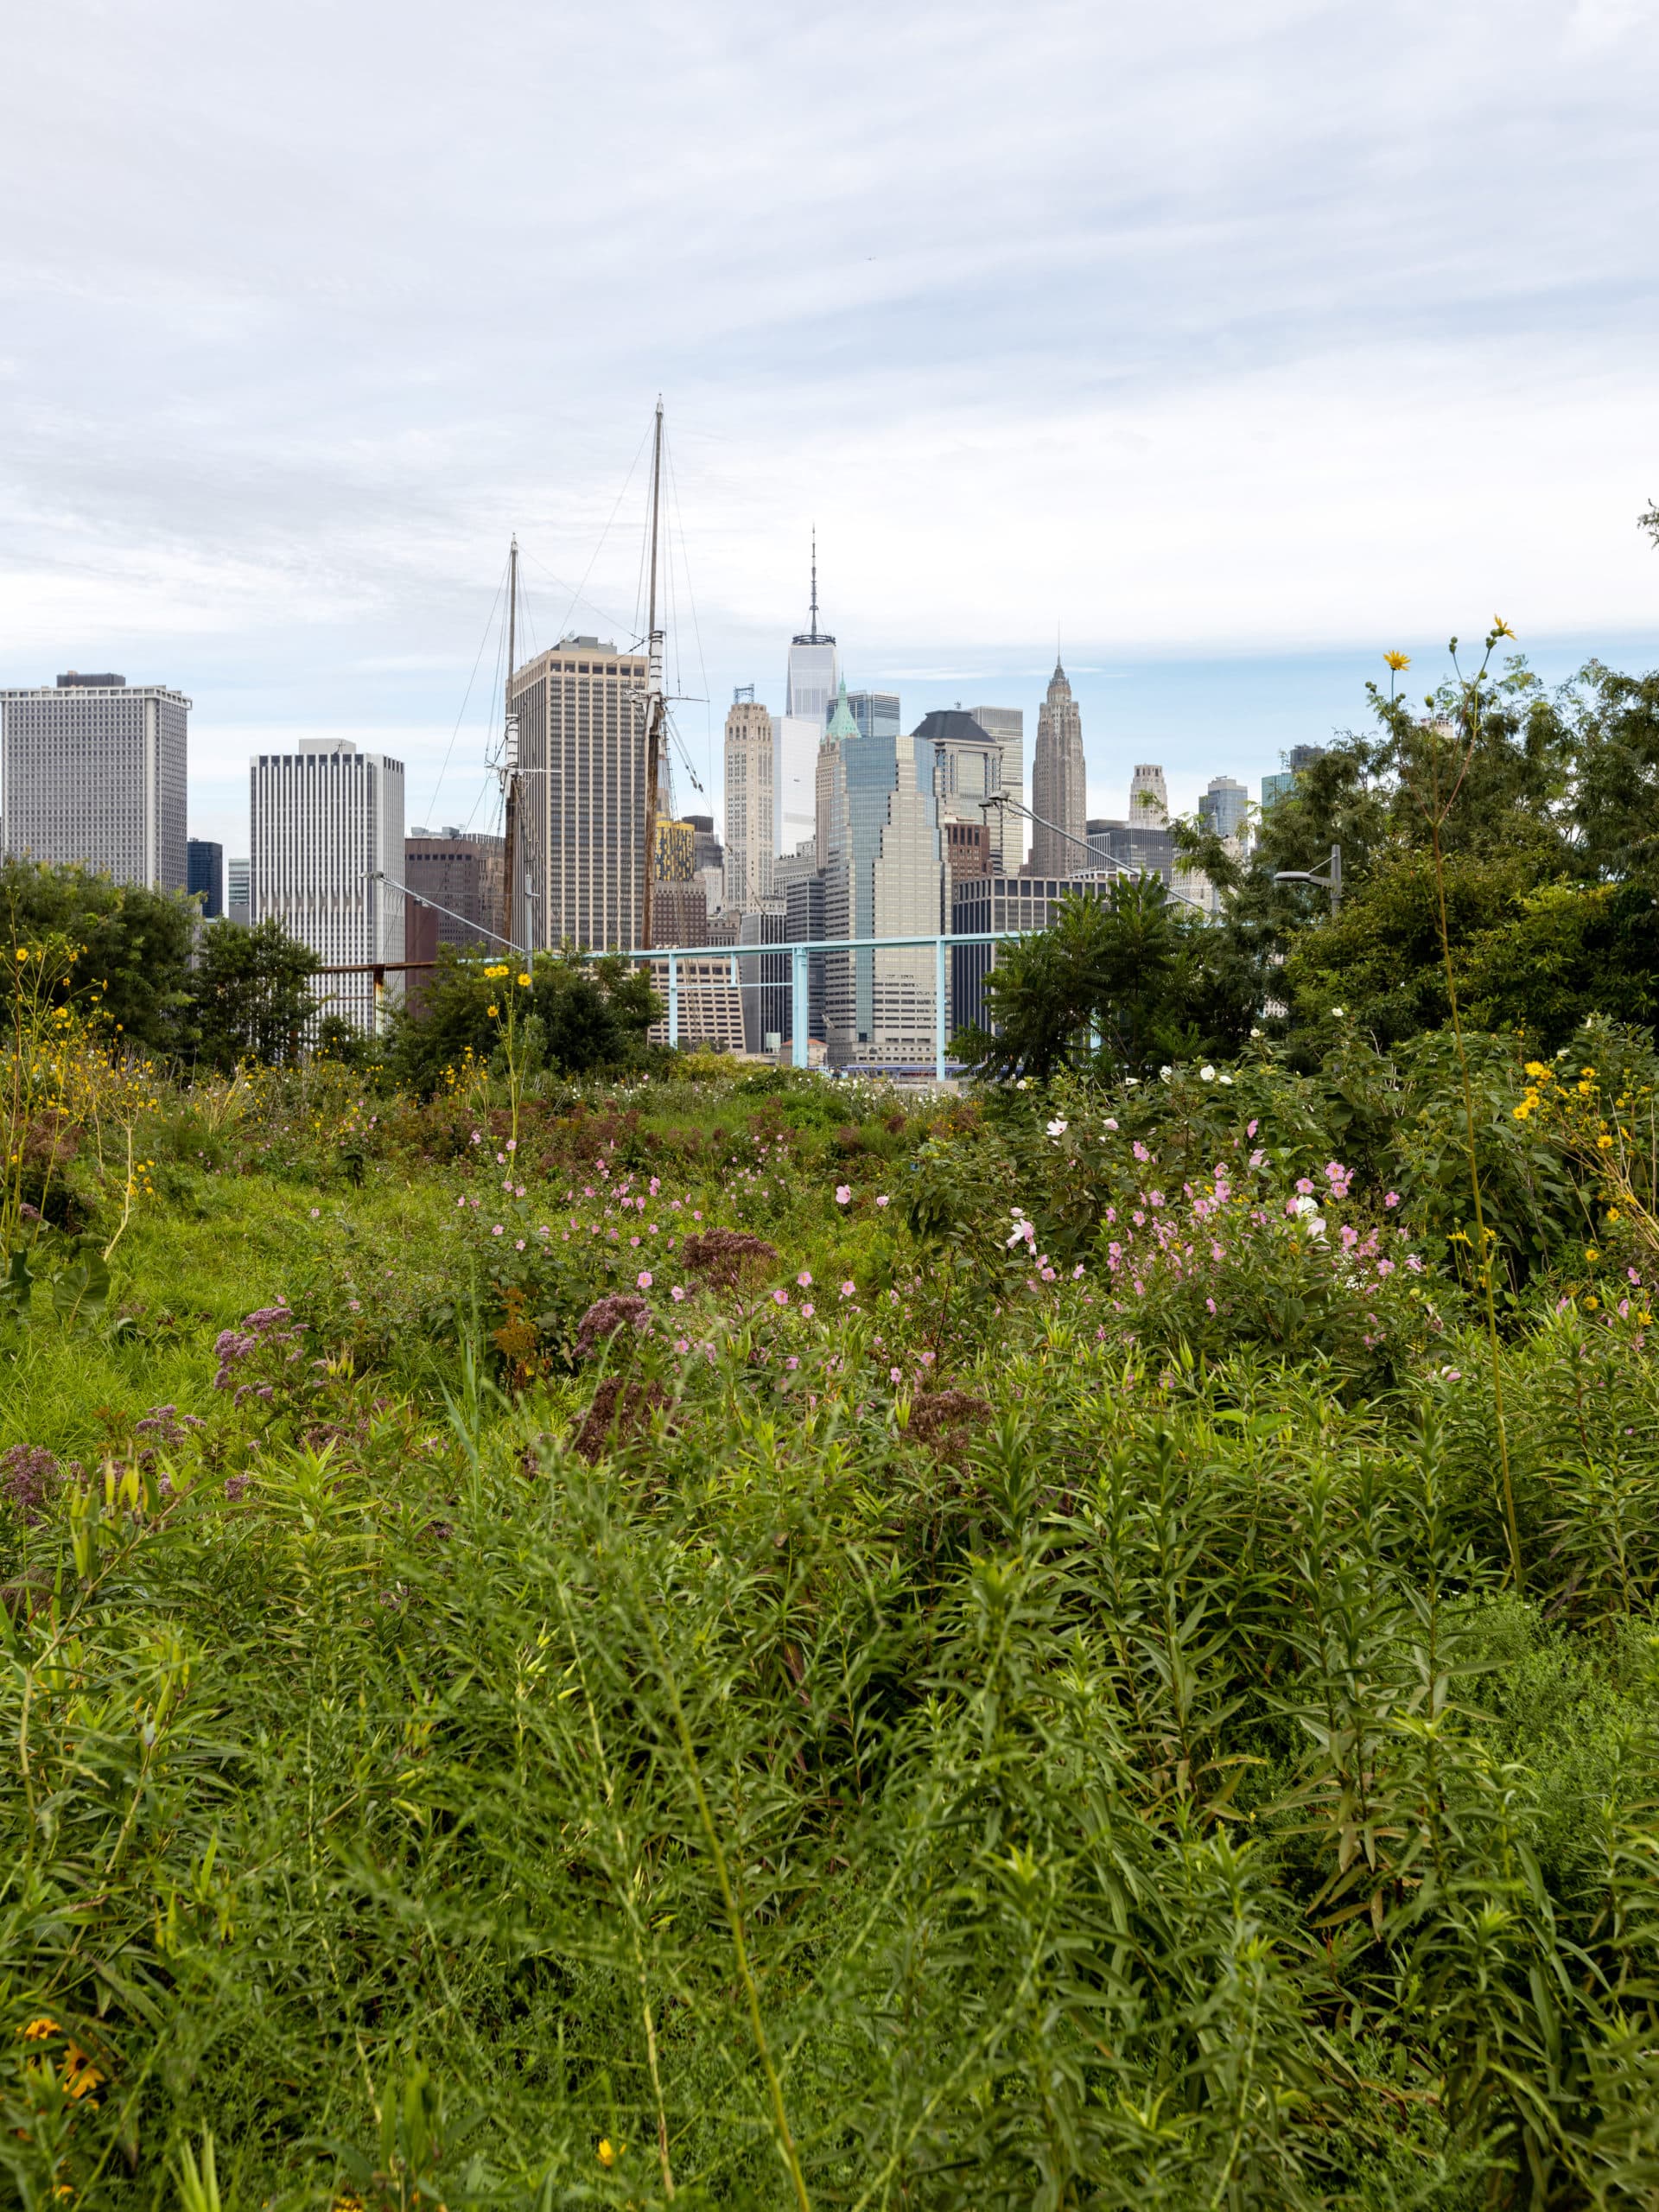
(1331, 880)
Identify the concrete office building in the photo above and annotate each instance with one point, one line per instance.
(327, 826)
(1007, 726)
(751, 765)
(1057, 789)
(581, 764)
(463, 871)
(205, 876)
(95, 771)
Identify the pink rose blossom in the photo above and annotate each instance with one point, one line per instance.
(644, 1279)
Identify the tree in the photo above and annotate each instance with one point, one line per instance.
(253, 993)
(1122, 980)
(133, 947)
(579, 1015)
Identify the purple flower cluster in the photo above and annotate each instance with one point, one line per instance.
(605, 1317)
(259, 1332)
(27, 1473)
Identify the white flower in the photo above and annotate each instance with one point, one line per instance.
(1316, 1227)
(1339, 1013)
(1256, 1032)
(1165, 1073)
(1057, 1128)
(1206, 1075)
(1132, 1082)
(1306, 1204)
(1226, 1078)
(1110, 1123)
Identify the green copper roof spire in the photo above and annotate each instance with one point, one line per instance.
(841, 722)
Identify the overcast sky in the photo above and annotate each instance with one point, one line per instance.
(1230, 343)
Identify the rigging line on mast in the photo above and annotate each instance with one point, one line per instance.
(576, 595)
(450, 749)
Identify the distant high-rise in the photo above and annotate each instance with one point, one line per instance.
(327, 826)
(1149, 796)
(461, 874)
(1007, 726)
(883, 875)
(967, 773)
(1058, 784)
(1224, 807)
(751, 764)
(706, 850)
(676, 846)
(205, 875)
(1300, 757)
(238, 892)
(812, 680)
(95, 773)
(875, 714)
(581, 754)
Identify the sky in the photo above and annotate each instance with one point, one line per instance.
(1224, 345)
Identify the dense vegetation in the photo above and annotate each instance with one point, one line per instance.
(676, 1632)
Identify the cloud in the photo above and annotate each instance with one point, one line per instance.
(1266, 326)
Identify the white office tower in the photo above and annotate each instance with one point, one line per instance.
(239, 891)
(327, 833)
(1007, 726)
(750, 828)
(1148, 798)
(813, 681)
(582, 820)
(95, 773)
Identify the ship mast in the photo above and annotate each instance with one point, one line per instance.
(510, 761)
(654, 701)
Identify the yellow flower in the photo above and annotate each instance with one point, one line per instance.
(609, 2152)
(1537, 1071)
(80, 2076)
(1591, 1304)
(1397, 661)
(22, 953)
(1605, 1143)
(1587, 1070)
(1500, 627)
(38, 2030)
(1591, 1252)
(524, 982)
(489, 1009)
(1646, 1320)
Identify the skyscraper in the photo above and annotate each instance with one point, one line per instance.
(462, 873)
(751, 765)
(967, 772)
(581, 764)
(327, 826)
(95, 773)
(239, 891)
(1007, 726)
(1223, 808)
(204, 873)
(885, 876)
(810, 689)
(1058, 784)
(1149, 796)
(875, 714)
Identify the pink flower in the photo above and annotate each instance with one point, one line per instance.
(461, 1200)
(1140, 1152)
(519, 1245)
(883, 1200)
(1250, 1128)
(1109, 1123)
(893, 1375)
(843, 1194)
(808, 1311)
(1304, 1186)
(1392, 1199)
(315, 1211)
(682, 1344)
(847, 1289)
(512, 1144)
(1077, 1272)
(791, 1360)
(644, 1279)
(780, 1298)
(497, 1230)
(678, 1293)
(804, 1279)
(1210, 1303)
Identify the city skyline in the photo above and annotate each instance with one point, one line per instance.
(1193, 368)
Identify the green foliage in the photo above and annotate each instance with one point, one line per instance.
(253, 994)
(130, 945)
(1123, 979)
(582, 1015)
